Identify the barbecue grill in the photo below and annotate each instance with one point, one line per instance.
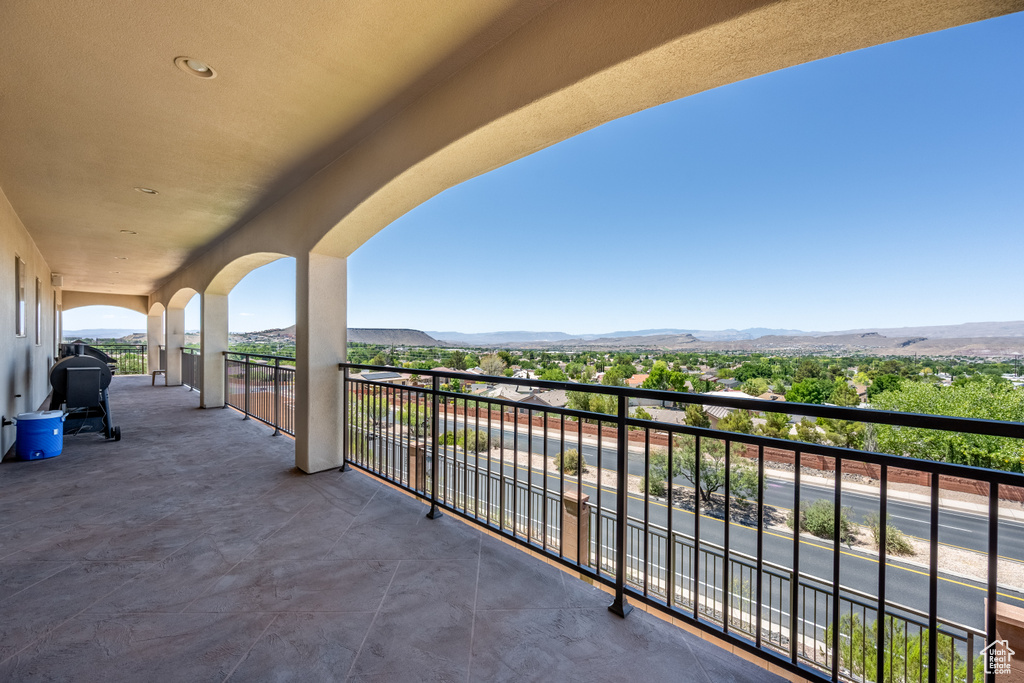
(80, 385)
(80, 348)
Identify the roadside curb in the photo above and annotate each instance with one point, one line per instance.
(905, 496)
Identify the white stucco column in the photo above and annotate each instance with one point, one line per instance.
(213, 342)
(154, 338)
(321, 328)
(175, 339)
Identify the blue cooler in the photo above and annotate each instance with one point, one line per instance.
(40, 435)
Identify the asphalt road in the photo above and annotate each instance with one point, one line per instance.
(959, 600)
(956, 529)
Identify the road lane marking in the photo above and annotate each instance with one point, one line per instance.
(789, 537)
(921, 521)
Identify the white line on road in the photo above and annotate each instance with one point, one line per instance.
(922, 521)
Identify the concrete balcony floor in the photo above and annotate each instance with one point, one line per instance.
(193, 550)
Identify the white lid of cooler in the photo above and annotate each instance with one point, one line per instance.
(41, 415)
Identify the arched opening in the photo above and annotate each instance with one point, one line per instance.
(263, 283)
(826, 196)
(116, 331)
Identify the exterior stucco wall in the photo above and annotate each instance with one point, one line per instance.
(24, 365)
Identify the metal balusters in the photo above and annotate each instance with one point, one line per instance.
(698, 458)
(435, 511)
(726, 582)
(670, 561)
(794, 594)
(620, 605)
(346, 419)
(837, 536)
(993, 572)
(246, 367)
(933, 583)
(883, 529)
(647, 507)
(760, 541)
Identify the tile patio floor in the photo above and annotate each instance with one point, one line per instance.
(193, 550)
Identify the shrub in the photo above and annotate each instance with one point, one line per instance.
(818, 519)
(655, 487)
(896, 542)
(570, 462)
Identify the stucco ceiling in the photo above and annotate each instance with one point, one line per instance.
(92, 106)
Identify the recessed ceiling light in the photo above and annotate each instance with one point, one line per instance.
(129, 232)
(195, 67)
(146, 190)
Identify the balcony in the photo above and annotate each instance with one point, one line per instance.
(194, 550)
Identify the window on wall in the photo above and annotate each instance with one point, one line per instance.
(39, 312)
(19, 294)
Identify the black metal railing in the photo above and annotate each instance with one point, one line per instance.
(131, 359)
(262, 387)
(127, 359)
(702, 544)
(163, 358)
(191, 369)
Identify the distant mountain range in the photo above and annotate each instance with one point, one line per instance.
(962, 331)
(100, 333)
(971, 339)
(523, 336)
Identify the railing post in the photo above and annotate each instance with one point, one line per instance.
(344, 419)
(227, 377)
(620, 605)
(245, 403)
(435, 387)
(277, 403)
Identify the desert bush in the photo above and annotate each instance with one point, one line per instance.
(570, 462)
(818, 519)
(896, 542)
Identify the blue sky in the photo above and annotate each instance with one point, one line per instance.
(878, 188)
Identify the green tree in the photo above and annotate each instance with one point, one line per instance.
(696, 417)
(843, 394)
(808, 369)
(492, 364)
(658, 377)
(882, 384)
(507, 358)
(613, 378)
(553, 374)
(593, 403)
(416, 418)
(677, 380)
(711, 466)
(986, 398)
(737, 421)
(755, 386)
(807, 431)
(457, 360)
(657, 482)
(843, 433)
(776, 425)
(625, 370)
(809, 391)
